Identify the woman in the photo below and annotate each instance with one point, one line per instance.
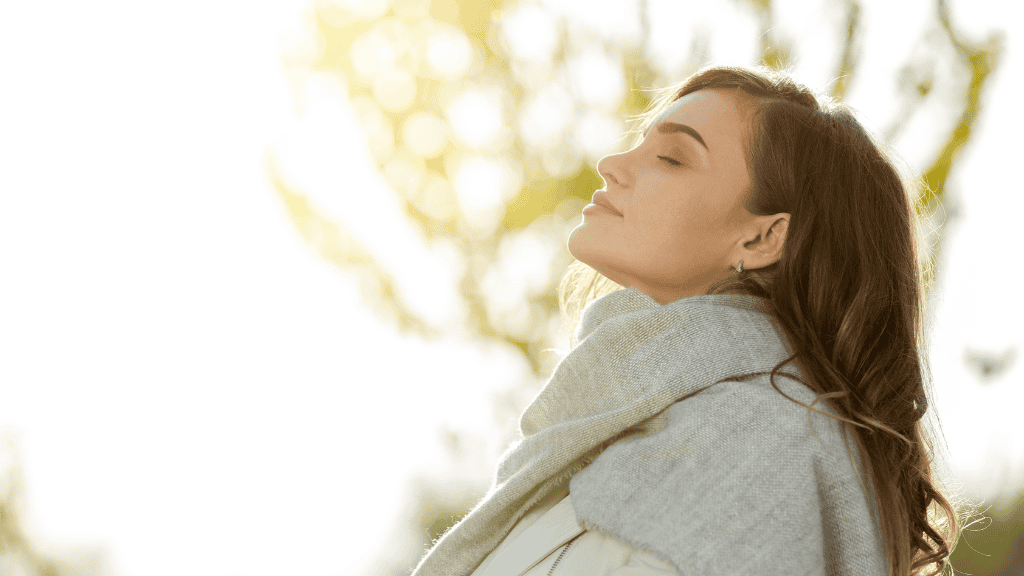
(752, 228)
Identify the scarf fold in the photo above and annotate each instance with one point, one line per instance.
(663, 454)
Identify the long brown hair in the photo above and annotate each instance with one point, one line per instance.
(847, 291)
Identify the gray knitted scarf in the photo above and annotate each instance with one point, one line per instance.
(719, 477)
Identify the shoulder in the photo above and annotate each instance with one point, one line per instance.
(728, 462)
(779, 408)
(745, 419)
(733, 441)
(745, 432)
(723, 464)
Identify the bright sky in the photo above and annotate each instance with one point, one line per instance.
(193, 389)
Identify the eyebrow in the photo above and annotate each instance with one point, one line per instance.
(673, 128)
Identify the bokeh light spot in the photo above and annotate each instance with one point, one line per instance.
(598, 134)
(521, 271)
(529, 34)
(425, 134)
(436, 199)
(476, 117)
(395, 90)
(527, 256)
(478, 184)
(482, 186)
(597, 80)
(405, 172)
(610, 20)
(561, 162)
(372, 53)
(449, 53)
(362, 9)
(546, 116)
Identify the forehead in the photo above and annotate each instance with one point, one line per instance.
(717, 115)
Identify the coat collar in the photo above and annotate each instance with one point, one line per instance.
(630, 300)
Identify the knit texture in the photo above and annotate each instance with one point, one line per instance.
(717, 477)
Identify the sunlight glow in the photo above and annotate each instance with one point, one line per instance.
(546, 116)
(324, 159)
(427, 282)
(436, 198)
(612, 20)
(379, 133)
(363, 9)
(478, 183)
(529, 33)
(371, 53)
(522, 271)
(685, 34)
(449, 52)
(561, 162)
(597, 80)
(476, 116)
(525, 258)
(425, 134)
(405, 172)
(395, 90)
(810, 28)
(482, 186)
(599, 134)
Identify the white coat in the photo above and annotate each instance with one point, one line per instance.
(548, 541)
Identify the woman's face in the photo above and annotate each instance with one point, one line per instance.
(681, 224)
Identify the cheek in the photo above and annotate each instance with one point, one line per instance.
(666, 221)
(677, 229)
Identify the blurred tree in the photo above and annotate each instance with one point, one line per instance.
(484, 139)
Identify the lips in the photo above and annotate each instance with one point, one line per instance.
(601, 199)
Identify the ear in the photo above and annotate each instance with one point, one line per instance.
(764, 242)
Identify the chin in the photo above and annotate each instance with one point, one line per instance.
(582, 248)
(588, 257)
(592, 250)
(573, 242)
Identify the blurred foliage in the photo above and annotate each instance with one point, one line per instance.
(554, 180)
(389, 63)
(981, 60)
(996, 548)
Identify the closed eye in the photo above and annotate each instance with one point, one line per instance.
(670, 161)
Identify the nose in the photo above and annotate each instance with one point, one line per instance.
(611, 169)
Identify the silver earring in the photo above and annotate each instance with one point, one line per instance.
(739, 267)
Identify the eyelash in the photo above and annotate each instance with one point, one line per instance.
(670, 160)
